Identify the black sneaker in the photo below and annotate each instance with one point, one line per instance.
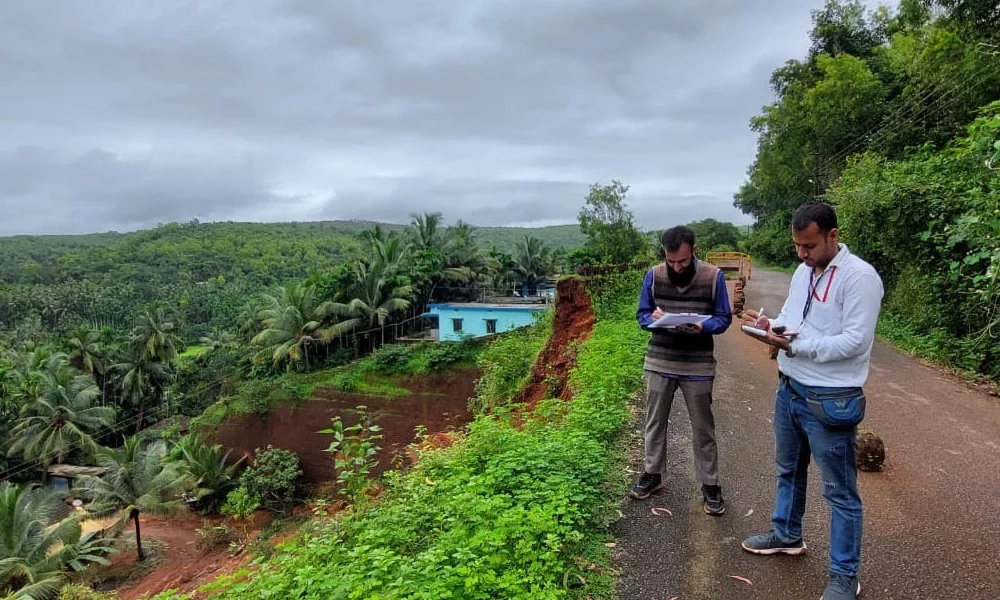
(768, 543)
(714, 505)
(646, 486)
(842, 587)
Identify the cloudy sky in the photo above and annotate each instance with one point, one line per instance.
(118, 114)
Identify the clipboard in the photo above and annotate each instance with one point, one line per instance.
(677, 319)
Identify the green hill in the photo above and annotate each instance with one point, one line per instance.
(53, 283)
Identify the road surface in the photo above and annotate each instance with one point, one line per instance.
(932, 516)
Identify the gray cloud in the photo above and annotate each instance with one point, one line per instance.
(117, 115)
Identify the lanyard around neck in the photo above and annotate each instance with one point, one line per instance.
(813, 287)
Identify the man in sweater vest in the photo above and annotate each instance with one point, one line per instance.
(682, 357)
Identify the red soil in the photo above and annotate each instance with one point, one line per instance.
(439, 402)
(574, 321)
(183, 567)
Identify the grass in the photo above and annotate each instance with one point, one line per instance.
(507, 512)
(788, 270)
(192, 352)
(955, 355)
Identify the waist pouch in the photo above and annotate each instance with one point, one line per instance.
(835, 407)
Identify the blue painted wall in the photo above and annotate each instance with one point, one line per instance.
(474, 319)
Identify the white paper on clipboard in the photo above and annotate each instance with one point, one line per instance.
(676, 319)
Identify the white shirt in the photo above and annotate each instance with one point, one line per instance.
(835, 340)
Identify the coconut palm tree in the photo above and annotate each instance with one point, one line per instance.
(153, 338)
(531, 262)
(388, 247)
(248, 321)
(34, 553)
(61, 418)
(8, 407)
(464, 263)
(216, 338)
(143, 383)
(292, 319)
(425, 231)
(208, 470)
(377, 295)
(136, 481)
(86, 353)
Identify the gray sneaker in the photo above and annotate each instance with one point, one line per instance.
(842, 587)
(769, 543)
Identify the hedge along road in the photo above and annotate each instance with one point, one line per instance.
(932, 516)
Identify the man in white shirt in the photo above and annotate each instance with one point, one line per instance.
(826, 330)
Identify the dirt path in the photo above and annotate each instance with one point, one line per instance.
(183, 566)
(932, 517)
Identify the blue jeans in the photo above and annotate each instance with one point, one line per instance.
(797, 433)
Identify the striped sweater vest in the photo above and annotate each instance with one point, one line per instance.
(681, 353)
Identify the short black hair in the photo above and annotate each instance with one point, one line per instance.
(820, 213)
(675, 237)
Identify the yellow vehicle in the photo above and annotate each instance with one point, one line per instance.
(732, 263)
(738, 267)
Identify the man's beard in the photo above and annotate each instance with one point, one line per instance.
(682, 278)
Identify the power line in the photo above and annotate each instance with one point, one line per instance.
(916, 110)
(107, 430)
(35, 464)
(895, 118)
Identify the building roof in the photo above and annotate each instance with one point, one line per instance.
(491, 306)
(73, 471)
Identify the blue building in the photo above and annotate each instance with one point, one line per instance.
(456, 320)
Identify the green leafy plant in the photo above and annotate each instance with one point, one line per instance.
(272, 478)
(241, 505)
(391, 358)
(354, 448)
(34, 552)
(75, 591)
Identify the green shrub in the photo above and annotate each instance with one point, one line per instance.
(391, 358)
(76, 591)
(272, 478)
(440, 356)
(506, 365)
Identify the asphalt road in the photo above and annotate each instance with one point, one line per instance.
(932, 516)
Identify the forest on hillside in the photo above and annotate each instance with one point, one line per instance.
(102, 335)
(894, 117)
(203, 271)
